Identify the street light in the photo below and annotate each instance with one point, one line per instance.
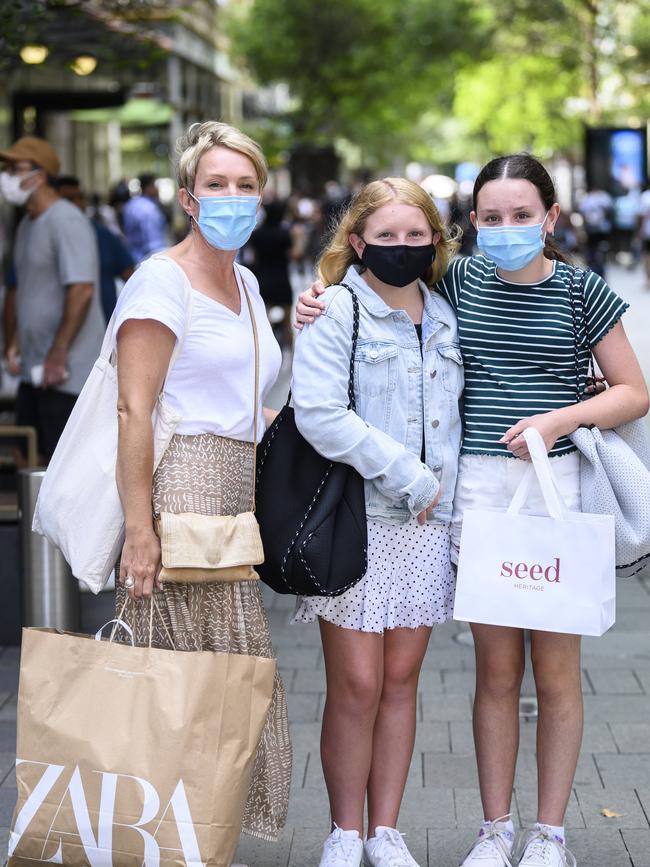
(34, 54)
(85, 64)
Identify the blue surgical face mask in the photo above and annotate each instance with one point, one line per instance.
(227, 222)
(511, 247)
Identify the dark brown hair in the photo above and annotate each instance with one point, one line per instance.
(527, 168)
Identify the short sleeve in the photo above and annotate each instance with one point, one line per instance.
(451, 284)
(603, 308)
(156, 291)
(77, 251)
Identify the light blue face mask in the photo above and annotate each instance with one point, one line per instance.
(511, 247)
(227, 222)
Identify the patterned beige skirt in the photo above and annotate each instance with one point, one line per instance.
(212, 475)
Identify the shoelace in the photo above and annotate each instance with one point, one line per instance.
(341, 847)
(392, 837)
(491, 836)
(538, 841)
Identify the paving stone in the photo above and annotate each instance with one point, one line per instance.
(644, 678)
(303, 707)
(451, 770)
(429, 807)
(7, 804)
(260, 853)
(616, 646)
(614, 682)
(525, 799)
(9, 709)
(610, 708)
(309, 680)
(618, 799)
(430, 682)
(449, 847)
(432, 737)
(469, 809)
(638, 846)
(599, 848)
(446, 707)
(7, 736)
(309, 808)
(619, 770)
(631, 737)
(299, 657)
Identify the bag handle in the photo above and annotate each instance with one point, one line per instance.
(122, 624)
(540, 468)
(577, 289)
(256, 343)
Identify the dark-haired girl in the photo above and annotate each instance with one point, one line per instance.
(516, 332)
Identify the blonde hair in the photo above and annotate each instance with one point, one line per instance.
(200, 137)
(339, 254)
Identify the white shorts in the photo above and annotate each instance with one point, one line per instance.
(490, 481)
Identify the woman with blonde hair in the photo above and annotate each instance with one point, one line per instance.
(208, 466)
(404, 439)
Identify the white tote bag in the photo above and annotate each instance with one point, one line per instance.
(78, 507)
(555, 572)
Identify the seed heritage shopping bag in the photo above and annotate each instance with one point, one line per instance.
(133, 756)
(554, 572)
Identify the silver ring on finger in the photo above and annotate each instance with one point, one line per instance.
(129, 582)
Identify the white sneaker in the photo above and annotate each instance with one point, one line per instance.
(493, 847)
(540, 848)
(387, 849)
(342, 849)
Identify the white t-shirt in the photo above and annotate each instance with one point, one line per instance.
(212, 383)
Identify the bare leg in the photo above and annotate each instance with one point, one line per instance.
(500, 662)
(354, 667)
(394, 734)
(556, 666)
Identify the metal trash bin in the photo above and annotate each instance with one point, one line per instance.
(49, 592)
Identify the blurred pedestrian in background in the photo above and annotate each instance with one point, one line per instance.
(274, 248)
(115, 261)
(596, 207)
(644, 230)
(53, 319)
(144, 221)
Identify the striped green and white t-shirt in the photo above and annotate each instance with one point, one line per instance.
(517, 342)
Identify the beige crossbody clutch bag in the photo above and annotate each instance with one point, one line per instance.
(201, 548)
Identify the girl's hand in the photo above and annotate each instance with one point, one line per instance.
(425, 514)
(309, 308)
(546, 423)
(141, 561)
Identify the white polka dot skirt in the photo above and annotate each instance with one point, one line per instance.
(409, 583)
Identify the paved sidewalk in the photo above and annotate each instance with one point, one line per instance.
(441, 809)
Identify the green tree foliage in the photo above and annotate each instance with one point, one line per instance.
(452, 79)
(555, 66)
(359, 69)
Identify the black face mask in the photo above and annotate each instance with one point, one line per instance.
(398, 264)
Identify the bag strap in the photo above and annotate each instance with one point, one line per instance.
(256, 342)
(352, 403)
(541, 469)
(577, 290)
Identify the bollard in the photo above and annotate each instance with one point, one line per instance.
(50, 594)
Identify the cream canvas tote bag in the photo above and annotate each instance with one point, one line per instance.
(78, 507)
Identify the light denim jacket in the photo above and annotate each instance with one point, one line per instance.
(399, 394)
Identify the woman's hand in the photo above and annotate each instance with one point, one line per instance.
(309, 308)
(425, 514)
(548, 425)
(141, 561)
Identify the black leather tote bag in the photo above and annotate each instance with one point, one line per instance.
(311, 511)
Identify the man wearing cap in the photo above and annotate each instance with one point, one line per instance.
(53, 319)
